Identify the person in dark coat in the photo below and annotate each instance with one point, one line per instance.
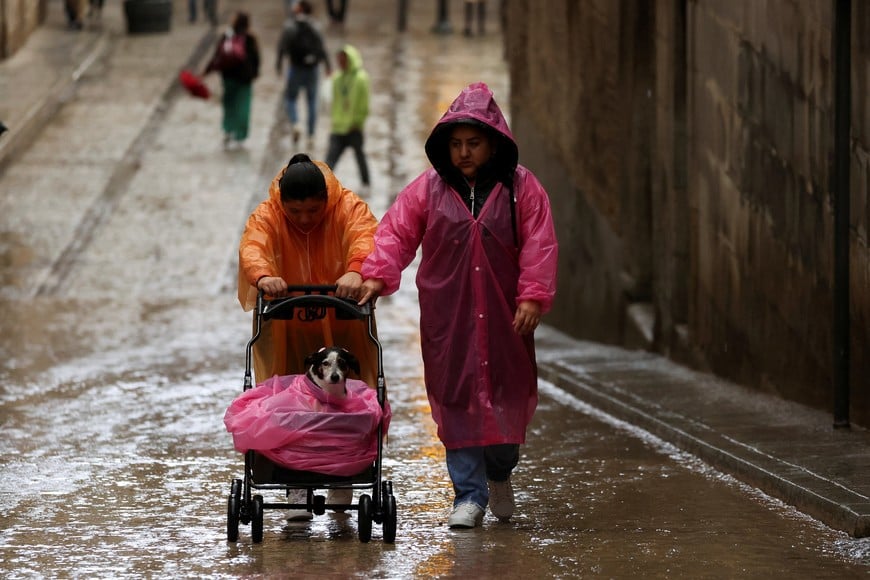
(302, 44)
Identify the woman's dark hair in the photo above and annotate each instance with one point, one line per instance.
(302, 180)
(241, 22)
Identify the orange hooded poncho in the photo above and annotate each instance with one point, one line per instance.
(272, 246)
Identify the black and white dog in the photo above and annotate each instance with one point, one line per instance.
(328, 369)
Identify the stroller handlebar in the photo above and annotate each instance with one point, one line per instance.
(310, 298)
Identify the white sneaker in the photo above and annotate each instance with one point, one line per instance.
(501, 498)
(339, 496)
(466, 515)
(298, 515)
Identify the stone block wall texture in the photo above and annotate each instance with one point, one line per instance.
(686, 146)
(18, 18)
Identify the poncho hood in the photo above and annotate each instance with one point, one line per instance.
(475, 105)
(354, 58)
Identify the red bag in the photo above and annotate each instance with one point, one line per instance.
(194, 84)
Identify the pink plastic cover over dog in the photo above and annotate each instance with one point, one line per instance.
(298, 426)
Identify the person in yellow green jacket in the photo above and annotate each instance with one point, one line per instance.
(350, 107)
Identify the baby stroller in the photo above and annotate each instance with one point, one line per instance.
(311, 303)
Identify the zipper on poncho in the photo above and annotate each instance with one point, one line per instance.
(471, 198)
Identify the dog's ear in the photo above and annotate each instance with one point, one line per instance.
(312, 359)
(352, 361)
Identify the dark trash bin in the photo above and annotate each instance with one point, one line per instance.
(146, 16)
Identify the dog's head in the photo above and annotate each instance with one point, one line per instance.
(328, 368)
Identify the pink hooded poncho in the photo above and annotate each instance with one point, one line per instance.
(297, 425)
(481, 376)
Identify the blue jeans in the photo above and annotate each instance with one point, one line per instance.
(470, 467)
(302, 79)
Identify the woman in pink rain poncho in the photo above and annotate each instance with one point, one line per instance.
(488, 272)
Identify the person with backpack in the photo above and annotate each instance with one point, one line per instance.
(302, 44)
(237, 58)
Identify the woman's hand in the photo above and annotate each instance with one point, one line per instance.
(527, 317)
(349, 285)
(272, 286)
(370, 290)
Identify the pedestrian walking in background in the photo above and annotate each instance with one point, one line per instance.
(95, 10)
(350, 108)
(488, 272)
(74, 10)
(237, 58)
(302, 44)
(475, 8)
(337, 10)
(209, 8)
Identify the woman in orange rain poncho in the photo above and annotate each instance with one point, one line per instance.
(311, 231)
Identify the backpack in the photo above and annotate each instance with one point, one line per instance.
(305, 46)
(231, 52)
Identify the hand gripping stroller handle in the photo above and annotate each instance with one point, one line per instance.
(311, 300)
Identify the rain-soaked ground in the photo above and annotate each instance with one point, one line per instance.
(115, 459)
(117, 466)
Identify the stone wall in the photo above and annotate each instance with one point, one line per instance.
(686, 147)
(583, 93)
(18, 18)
